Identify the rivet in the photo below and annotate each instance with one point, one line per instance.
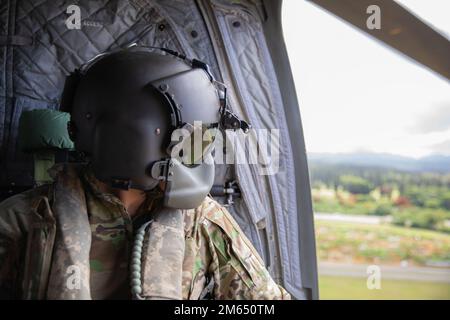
(161, 27)
(157, 131)
(194, 34)
(163, 87)
(88, 115)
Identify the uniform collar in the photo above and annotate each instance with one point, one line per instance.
(152, 200)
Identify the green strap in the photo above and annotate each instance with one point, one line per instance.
(43, 161)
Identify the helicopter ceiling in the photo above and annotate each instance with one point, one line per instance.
(400, 29)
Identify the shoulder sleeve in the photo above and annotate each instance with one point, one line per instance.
(237, 268)
(14, 226)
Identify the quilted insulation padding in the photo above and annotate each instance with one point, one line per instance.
(257, 84)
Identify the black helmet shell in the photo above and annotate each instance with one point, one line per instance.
(126, 106)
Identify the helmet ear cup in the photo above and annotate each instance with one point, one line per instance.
(124, 146)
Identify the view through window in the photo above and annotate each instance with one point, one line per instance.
(377, 132)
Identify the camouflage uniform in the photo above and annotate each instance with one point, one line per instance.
(33, 256)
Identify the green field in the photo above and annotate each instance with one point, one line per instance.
(347, 288)
(353, 243)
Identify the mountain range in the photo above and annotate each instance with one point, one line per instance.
(433, 163)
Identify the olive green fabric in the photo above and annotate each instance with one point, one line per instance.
(43, 161)
(43, 129)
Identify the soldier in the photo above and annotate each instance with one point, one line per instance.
(135, 220)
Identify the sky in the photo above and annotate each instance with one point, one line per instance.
(357, 95)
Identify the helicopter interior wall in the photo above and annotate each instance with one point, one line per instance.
(37, 51)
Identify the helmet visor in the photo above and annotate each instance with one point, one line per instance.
(197, 141)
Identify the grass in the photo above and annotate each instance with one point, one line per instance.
(347, 242)
(349, 288)
(358, 208)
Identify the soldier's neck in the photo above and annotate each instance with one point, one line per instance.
(131, 199)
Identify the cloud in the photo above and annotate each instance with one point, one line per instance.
(437, 119)
(441, 147)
